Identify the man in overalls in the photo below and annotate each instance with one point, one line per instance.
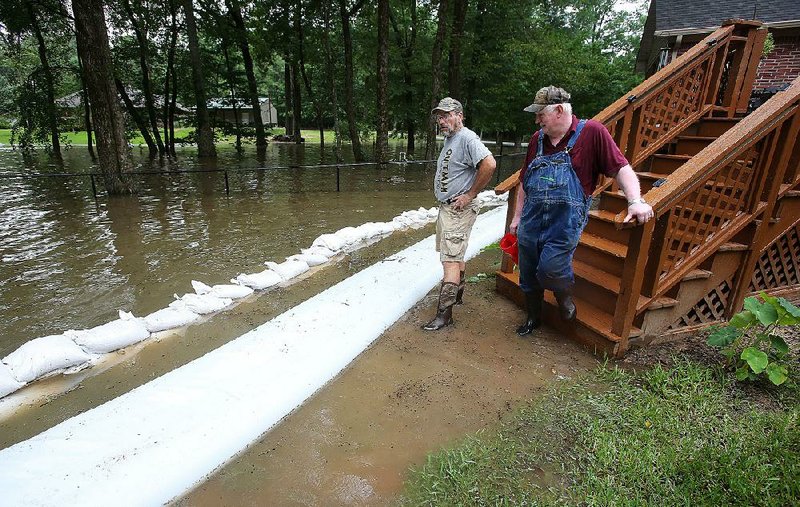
(565, 158)
(464, 167)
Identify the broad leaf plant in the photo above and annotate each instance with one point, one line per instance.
(751, 343)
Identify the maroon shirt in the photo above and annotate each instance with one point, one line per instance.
(594, 153)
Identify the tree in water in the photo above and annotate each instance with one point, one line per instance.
(205, 136)
(382, 147)
(95, 53)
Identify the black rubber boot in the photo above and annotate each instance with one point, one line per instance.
(444, 311)
(461, 285)
(566, 306)
(533, 302)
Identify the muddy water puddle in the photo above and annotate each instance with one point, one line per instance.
(411, 393)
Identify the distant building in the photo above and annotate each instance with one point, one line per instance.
(72, 106)
(222, 110)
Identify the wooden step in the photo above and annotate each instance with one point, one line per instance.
(601, 253)
(613, 201)
(589, 315)
(661, 163)
(601, 223)
(692, 145)
(697, 274)
(715, 127)
(598, 286)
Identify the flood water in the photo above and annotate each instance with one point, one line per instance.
(70, 261)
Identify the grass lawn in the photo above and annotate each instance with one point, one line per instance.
(679, 436)
(79, 138)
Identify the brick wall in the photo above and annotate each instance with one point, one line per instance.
(782, 65)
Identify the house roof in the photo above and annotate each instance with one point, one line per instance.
(675, 17)
(227, 102)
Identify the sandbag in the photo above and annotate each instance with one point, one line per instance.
(318, 250)
(231, 291)
(111, 336)
(8, 384)
(201, 303)
(329, 241)
(288, 269)
(349, 235)
(260, 281)
(169, 318)
(309, 258)
(45, 355)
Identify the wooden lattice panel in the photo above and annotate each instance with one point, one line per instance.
(664, 111)
(708, 209)
(711, 308)
(779, 264)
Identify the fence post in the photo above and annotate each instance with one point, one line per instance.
(337, 178)
(94, 187)
(227, 185)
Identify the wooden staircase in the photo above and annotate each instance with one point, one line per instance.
(725, 188)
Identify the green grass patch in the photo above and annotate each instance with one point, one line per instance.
(680, 436)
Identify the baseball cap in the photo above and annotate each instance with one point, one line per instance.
(547, 96)
(448, 104)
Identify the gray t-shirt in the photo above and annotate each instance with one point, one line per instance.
(457, 166)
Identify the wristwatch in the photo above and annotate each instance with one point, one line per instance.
(637, 201)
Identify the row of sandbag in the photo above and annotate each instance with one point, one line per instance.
(74, 350)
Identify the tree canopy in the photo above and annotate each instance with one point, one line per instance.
(355, 66)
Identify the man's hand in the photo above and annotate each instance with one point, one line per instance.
(640, 211)
(462, 201)
(512, 228)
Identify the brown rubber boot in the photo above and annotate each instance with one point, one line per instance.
(461, 285)
(444, 311)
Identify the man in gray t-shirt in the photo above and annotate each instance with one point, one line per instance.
(464, 167)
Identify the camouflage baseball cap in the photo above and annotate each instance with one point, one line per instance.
(448, 104)
(547, 96)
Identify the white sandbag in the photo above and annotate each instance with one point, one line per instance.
(402, 221)
(309, 258)
(288, 269)
(111, 336)
(433, 212)
(8, 384)
(370, 230)
(200, 287)
(44, 355)
(319, 250)
(231, 291)
(169, 318)
(260, 281)
(201, 303)
(349, 235)
(329, 241)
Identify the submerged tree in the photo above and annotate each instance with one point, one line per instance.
(98, 73)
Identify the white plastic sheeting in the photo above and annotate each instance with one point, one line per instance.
(157, 441)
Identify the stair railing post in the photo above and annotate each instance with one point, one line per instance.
(506, 264)
(738, 88)
(631, 283)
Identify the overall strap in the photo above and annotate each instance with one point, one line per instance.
(540, 149)
(574, 138)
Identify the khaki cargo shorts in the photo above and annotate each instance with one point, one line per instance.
(453, 228)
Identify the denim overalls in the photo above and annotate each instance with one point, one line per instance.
(553, 216)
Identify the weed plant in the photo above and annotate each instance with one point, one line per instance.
(680, 436)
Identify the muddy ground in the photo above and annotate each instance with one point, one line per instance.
(411, 393)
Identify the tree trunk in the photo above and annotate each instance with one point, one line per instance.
(169, 112)
(205, 136)
(382, 148)
(407, 54)
(436, 60)
(87, 115)
(137, 118)
(52, 114)
(147, 89)
(306, 82)
(288, 96)
(296, 102)
(234, 99)
(241, 35)
(94, 51)
(454, 61)
(350, 108)
(330, 75)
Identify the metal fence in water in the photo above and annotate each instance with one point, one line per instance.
(506, 164)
